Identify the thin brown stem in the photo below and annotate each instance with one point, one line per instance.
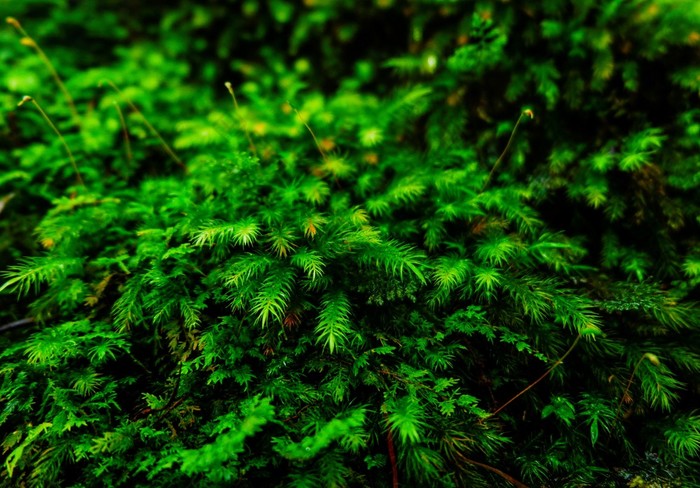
(17, 323)
(4, 200)
(137, 361)
(318, 145)
(15, 23)
(627, 388)
(152, 129)
(244, 123)
(28, 41)
(127, 142)
(392, 455)
(510, 140)
(497, 471)
(654, 360)
(58, 133)
(172, 402)
(532, 385)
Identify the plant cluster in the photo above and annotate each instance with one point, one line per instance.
(462, 252)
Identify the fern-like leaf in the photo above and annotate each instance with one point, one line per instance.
(334, 321)
(270, 301)
(242, 233)
(32, 272)
(407, 418)
(310, 261)
(684, 436)
(395, 258)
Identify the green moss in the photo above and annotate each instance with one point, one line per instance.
(428, 243)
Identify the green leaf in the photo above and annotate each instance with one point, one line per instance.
(684, 436)
(406, 418)
(228, 445)
(344, 428)
(395, 258)
(334, 325)
(17, 453)
(35, 271)
(310, 261)
(270, 300)
(634, 161)
(564, 410)
(242, 233)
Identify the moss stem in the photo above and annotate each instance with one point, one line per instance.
(531, 385)
(58, 133)
(243, 122)
(127, 142)
(510, 140)
(152, 129)
(28, 41)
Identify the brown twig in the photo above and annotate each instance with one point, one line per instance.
(318, 145)
(58, 133)
(497, 471)
(653, 359)
(172, 402)
(127, 142)
(4, 200)
(392, 455)
(243, 122)
(152, 129)
(458, 456)
(299, 412)
(17, 323)
(27, 40)
(532, 385)
(510, 140)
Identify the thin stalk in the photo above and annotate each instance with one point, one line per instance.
(58, 133)
(244, 123)
(653, 360)
(532, 385)
(28, 41)
(16, 323)
(15, 23)
(172, 403)
(3, 202)
(392, 455)
(318, 146)
(152, 129)
(510, 140)
(127, 142)
(497, 471)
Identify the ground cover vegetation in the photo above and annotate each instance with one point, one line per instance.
(340, 243)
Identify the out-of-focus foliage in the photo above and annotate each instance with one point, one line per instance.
(419, 212)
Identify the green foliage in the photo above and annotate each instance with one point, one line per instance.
(331, 282)
(217, 458)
